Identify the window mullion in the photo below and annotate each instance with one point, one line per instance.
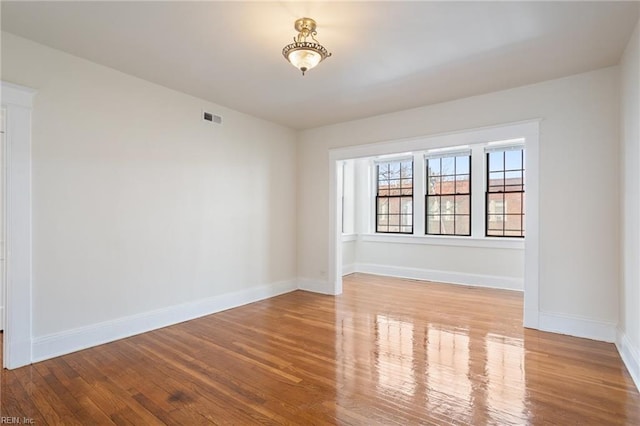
(419, 192)
(478, 168)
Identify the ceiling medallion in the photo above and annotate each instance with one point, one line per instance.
(304, 54)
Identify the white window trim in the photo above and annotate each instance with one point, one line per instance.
(18, 343)
(446, 240)
(349, 237)
(514, 144)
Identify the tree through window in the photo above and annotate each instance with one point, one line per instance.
(448, 196)
(394, 197)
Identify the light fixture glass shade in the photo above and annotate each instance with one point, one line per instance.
(304, 59)
(304, 54)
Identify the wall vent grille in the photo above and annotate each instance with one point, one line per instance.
(213, 118)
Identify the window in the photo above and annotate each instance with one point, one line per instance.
(505, 192)
(394, 197)
(448, 198)
(448, 182)
(344, 178)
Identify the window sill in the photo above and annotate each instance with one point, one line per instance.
(488, 242)
(349, 237)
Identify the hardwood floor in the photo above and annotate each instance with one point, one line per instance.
(388, 351)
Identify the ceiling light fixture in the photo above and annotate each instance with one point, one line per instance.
(304, 54)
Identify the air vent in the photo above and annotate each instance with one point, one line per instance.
(207, 116)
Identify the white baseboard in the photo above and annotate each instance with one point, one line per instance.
(1, 317)
(348, 269)
(476, 280)
(315, 286)
(65, 342)
(577, 326)
(630, 356)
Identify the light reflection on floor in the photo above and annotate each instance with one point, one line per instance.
(444, 367)
(459, 370)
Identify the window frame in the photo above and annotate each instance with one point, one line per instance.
(400, 196)
(504, 149)
(467, 153)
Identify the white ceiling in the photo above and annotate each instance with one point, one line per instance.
(387, 56)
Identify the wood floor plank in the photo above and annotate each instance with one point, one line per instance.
(387, 351)
(201, 380)
(15, 400)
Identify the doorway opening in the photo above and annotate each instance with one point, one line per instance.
(365, 228)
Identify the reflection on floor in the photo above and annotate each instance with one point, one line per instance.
(387, 351)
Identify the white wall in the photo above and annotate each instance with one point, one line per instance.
(488, 267)
(346, 191)
(579, 136)
(138, 204)
(348, 196)
(629, 327)
(349, 255)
